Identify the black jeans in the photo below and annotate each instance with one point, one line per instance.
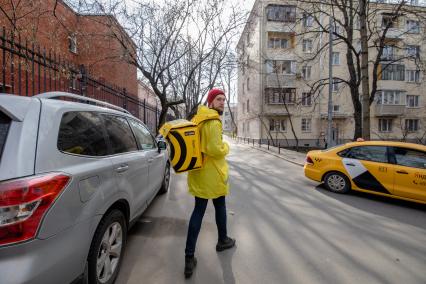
(197, 217)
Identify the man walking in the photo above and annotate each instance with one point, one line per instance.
(211, 181)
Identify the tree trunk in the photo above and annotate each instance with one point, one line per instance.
(365, 85)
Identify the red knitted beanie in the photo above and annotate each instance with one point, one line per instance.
(213, 93)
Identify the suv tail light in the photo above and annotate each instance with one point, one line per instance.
(309, 160)
(24, 202)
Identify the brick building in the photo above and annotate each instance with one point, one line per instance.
(77, 40)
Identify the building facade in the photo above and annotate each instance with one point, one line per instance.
(283, 75)
(93, 42)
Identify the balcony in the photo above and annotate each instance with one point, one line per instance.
(280, 81)
(390, 57)
(389, 110)
(394, 33)
(337, 115)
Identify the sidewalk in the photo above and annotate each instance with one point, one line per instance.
(285, 154)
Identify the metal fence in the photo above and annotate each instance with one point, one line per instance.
(27, 70)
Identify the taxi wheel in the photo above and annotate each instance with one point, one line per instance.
(337, 182)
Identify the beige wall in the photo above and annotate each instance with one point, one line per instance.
(260, 113)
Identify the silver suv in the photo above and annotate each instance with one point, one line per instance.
(75, 174)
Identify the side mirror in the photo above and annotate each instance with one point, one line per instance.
(162, 145)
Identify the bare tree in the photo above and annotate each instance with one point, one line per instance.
(180, 45)
(364, 39)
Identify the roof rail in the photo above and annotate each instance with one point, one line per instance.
(52, 95)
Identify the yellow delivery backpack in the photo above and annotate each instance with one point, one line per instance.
(183, 139)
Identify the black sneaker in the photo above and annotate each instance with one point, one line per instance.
(226, 244)
(190, 263)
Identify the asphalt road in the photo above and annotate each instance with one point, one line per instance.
(288, 230)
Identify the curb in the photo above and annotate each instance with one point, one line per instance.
(276, 155)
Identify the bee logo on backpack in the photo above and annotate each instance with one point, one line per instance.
(183, 139)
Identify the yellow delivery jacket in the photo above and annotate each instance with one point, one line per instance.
(211, 181)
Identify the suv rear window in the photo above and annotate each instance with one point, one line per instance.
(82, 133)
(4, 128)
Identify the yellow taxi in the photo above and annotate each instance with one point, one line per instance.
(394, 169)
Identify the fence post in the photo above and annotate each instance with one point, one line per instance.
(125, 99)
(144, 111)
(279, 147)
(268, 144)
(83, 80)
(3, 44)
(253, 142)
(259, 143)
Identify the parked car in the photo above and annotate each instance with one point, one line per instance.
(393, 169)
(74, 176)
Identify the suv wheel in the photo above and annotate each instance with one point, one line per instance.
(106, 250)
(166, 180)
(337, 182)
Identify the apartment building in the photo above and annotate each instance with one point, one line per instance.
(283, 75)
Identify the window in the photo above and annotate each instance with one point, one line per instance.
(143, 136)
(369, 153)
(385, 125)
(389, 20)
(389, 52)
(281, 13)
(306, 124)
(244, 107)
(82, 133)
(306, 99)
(410, 158)
(281, 67)
(248, 105)
(411, 125)
(120, 135)
(335, 86)
(390, 97)
(306, 72)
(412, 51)
(4, 129)
(307, 20)
(73, 82)
(283, 124)
(335, 58)
(277, 124)
(414, 2)
(248, 83)
(275, 42)
(413, 27)
(248, 126)
(412, 101)
(336, 32)
(280, 96)
(72, 43)
(307, 45)
(336, 108)
(413, 76)
(393, 72)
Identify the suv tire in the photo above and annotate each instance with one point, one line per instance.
(107, 248)
(166, 180)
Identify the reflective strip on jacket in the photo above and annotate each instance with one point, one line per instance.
(211, 181)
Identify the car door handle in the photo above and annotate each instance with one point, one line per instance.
(350, 164)
(402, 172)
(122, 168)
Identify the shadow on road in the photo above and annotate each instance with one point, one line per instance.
(225, 259)
(380, 205)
